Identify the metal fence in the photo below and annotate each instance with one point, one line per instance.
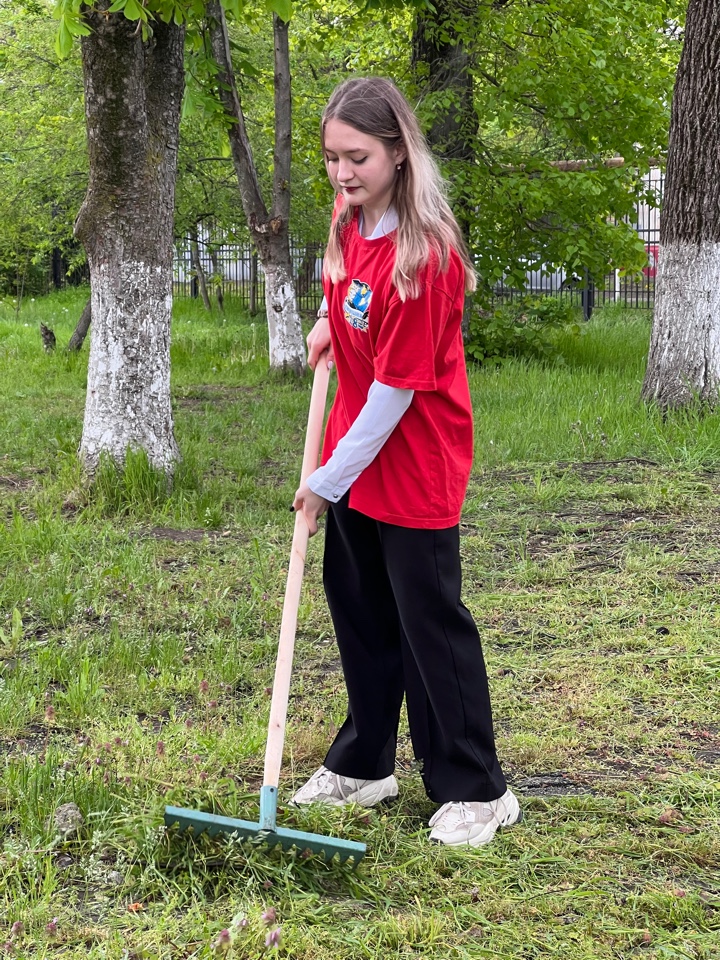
(231, 268)
(228, 267)
(631, 291)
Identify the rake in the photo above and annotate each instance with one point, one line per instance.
(266, 831)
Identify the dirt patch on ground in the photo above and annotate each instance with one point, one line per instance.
(625, 470)
(33, 740)
(549, 785)
(177, 536)
(16, 483)
(601, 539)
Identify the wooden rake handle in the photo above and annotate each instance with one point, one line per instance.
(286, 645)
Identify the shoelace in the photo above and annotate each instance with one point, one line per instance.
(455, 813)
(332, 780)
(325, 779)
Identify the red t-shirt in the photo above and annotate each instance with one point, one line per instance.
(420, 475)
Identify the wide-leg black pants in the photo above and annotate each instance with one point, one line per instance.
(394, 597)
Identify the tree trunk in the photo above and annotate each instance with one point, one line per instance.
(442, 64)
(684, 360)
(270, 230)
(217, 277)
(57, 268)
(133, 90)
(83, 325)
(253, 299)
(198, 267)
(306, 273)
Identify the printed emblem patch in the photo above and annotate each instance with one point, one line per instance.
(357, 305)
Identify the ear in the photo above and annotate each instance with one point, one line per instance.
(399, 153)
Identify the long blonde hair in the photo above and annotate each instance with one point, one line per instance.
(375, 106)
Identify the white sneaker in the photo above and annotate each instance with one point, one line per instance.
(324, 786)
(474, 824)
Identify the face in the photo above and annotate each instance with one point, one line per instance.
(361, 166)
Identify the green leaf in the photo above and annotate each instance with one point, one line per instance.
(77, 28)
(63, 40)
(246, 68)
(189, 103)
(133, 11)
(283, 8)
(235, 7)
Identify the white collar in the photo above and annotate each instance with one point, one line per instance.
(386, 224)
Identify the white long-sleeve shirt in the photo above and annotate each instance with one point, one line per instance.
(376, 421)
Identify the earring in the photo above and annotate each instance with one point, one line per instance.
(399, 167)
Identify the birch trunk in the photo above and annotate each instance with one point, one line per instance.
(684, 360)
(133, 91)
(270, 229)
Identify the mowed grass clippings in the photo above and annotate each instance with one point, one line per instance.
(137, 652)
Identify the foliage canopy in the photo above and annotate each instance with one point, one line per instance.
(552, 81)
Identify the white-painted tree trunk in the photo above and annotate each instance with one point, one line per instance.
(287, 346)
(133, 91)
(128, 391)
(684, 359)
(685, 348)
(268, 228)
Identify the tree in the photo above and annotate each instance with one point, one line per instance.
(504, 89)
(207, 204)
(133, 90)
(133, 67)
(684, 360)
(269, 228)
(538, 82)
(573, 79)
(442, 63)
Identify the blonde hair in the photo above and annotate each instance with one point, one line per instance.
(426, 223)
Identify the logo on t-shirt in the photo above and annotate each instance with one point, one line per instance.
(357, 305)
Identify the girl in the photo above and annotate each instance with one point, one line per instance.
(395, 466)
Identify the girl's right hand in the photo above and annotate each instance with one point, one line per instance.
(319, 340)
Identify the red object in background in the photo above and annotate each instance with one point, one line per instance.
(653, 253)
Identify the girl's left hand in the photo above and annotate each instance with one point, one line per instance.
(312, 506)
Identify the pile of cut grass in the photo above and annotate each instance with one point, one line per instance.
(138, 640)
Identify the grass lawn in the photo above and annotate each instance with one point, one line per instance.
(137, 643)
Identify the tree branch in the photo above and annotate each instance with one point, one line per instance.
(283, 121)
(253, 203)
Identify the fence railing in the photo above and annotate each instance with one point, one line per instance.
(233, 268)
(631, 291)
(226, 267)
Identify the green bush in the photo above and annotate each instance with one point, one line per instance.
(524, 327)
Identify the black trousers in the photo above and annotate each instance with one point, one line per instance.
(394, 597)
